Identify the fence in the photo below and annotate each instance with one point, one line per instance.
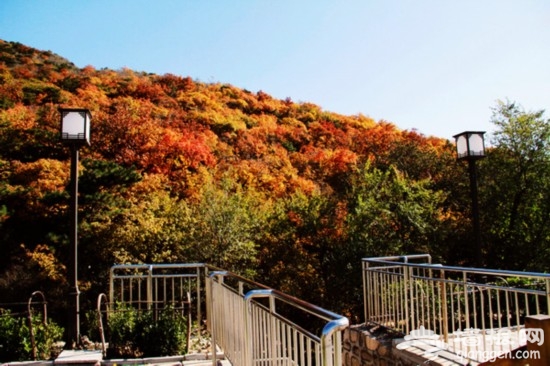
(253, 324)
(154, 286)
(409, 292)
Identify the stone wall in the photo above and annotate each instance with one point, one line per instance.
(372, 345)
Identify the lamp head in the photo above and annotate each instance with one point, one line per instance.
(75, 126)
(470, 145)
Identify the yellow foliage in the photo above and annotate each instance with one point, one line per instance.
(19, 117)
(43, 259)
(44, 175)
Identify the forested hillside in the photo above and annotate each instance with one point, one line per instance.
(283, 192)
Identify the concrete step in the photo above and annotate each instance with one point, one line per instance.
(79, 357)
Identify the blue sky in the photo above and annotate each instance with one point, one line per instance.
(437, 66)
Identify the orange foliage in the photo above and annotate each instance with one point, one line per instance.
(20, 117)
(174, 126)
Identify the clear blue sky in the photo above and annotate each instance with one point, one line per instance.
(437, 66)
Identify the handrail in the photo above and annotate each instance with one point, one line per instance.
(44, 319)
(335, 322)
(402, 258)
(301, 304)
(100, 321)
(446, 299)
(473, 270)
(333, 327)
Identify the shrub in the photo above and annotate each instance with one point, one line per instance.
(45, 337)
(122, 332)
(13, 345)
(15, 339)
(139, 334)
(165, 336)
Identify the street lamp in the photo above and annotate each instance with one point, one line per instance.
(470, 146)
(75, 132)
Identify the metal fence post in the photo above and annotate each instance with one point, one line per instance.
(409, 309)
(444, 306)
(365, 266)
(466, 300)
(100, 322)
(249, 345)
(149, 287)
(199, 312)
(111, 287)
(331, 329)
(44, 319)
(213, 311)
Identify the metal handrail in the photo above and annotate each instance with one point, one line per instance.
(473, 270)
(44, 319)
(100, 320)
(446, 299)
(330, 351)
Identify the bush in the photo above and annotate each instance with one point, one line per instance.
(122, 324)
(139, 334)
(45, 337)
(15, 338)
(14, 346)
(165, 336)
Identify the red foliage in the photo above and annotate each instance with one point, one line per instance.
(178, 150)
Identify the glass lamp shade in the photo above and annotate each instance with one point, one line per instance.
(470, 145)
(75, 126)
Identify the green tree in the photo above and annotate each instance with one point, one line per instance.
(225, 226)
(391, 215)
(516, 189)
(135, 225)
(290, 254)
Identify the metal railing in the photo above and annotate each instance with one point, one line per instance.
(407, 293)
(155, 286)
(253, 325)
(44, 318)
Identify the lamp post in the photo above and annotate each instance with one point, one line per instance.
(470, 146)
(75, 132)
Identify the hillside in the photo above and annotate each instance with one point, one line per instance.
(180, 170)
(174, 125)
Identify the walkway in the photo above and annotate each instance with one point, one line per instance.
(95, 358)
